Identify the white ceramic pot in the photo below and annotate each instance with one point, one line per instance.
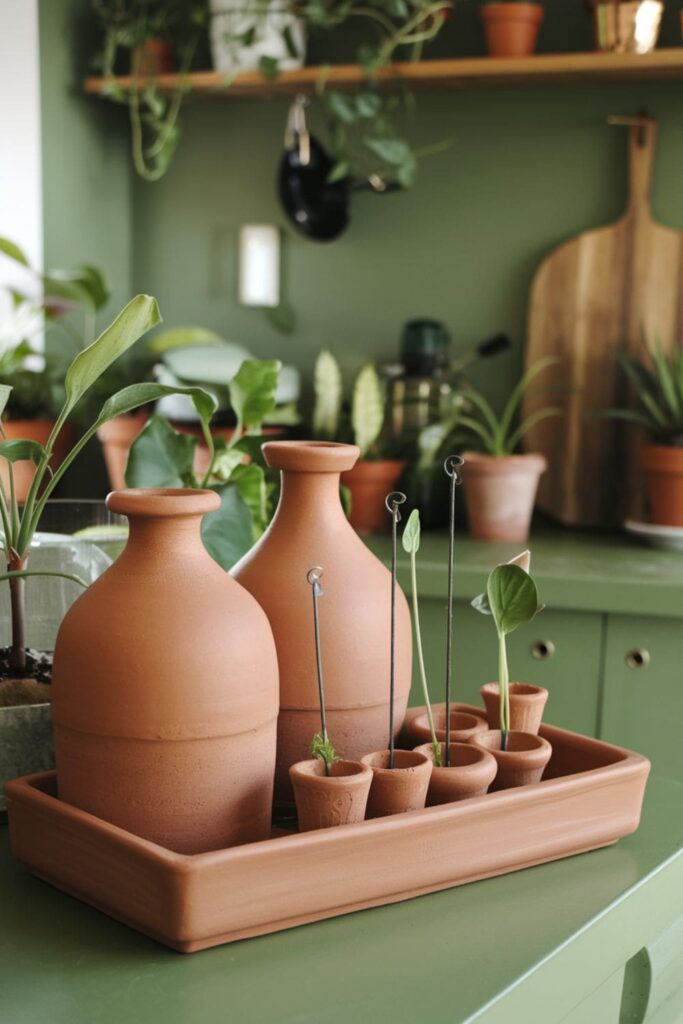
(231, 19)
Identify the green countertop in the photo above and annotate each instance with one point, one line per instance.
(582, 571)
(523, 947)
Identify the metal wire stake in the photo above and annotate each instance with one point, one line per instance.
(392, 502)
(452, 468)
(313, 576)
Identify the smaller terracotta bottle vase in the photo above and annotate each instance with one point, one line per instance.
(521, 764)
(470, 773)
(401, 788)
(463, 725)
(323, 801)
(526, 706)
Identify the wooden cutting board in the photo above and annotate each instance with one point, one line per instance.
(603, 290)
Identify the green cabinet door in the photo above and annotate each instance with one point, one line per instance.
(643, 689)
(560, 650)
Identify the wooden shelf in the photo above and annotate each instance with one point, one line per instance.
(464, 73)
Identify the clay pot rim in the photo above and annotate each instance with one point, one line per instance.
(310, 456)
(536, 752)
(157, 502)
(481, 464)
(522, 10)
(662, 458)
(413, 761)
(313, 770)
(373, 468)
(482, 757)
(479, 724)
(534, 693)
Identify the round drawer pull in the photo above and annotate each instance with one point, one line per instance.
(638, 657)
(542, 649)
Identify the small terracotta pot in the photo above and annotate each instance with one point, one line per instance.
(153, 57)
(117, 436)
(463, 726)
(25, 470)
(511, 30)
(470, 773)
(398, 789)
(500, 493)
(323, 801)
(369, 483)
(526, 706)
(522, 763)
(662, 465)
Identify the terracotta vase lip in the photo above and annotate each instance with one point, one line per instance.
(532, 747)
(471, 757)
(404, 761)
(343, 772)
(157, 502)
(310, 456)
(483, 464)
(536, 693)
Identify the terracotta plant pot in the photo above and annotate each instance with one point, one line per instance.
(117, 436)
(463, 726)
(662, 465)
(500, 493)
(401, 788)
(323, 801)
(369, 483)
(470, 773)
(511, 30)
(522, 763)
(165, 687)
(309, 529)
(526, 706)
(24, 471)
(153, 57)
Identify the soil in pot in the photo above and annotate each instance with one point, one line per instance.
(470, 773)
(369, 483)
(526, 706)
(522, 763)
(662, 465)
(463, 725)
(398, 789)
(324, 801)
(500, 493)
(511, 29)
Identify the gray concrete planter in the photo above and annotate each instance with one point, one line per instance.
(25, 743)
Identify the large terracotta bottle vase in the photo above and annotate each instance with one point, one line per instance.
(166, 687)
(310, 529)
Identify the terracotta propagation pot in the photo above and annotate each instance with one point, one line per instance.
(662, 465)
(511, 29)
(526, 706)
(463, 726)
(470, 773)
(401, 788)
(323, 801)
(153, 57)
(369, 483)
(165, 687)
(117, 436)
(310, 529)
(522, 763)
(500, 493)
(25, 470)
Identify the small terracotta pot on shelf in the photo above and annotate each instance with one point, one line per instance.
(117, 436)
(324, 801)
(398, 789)
(522, 763)
(463, 725)
(527, 703)
(153, 57)
(500, 492)
(470, 773)
(662, 465)
(511, 29)
(369, 483)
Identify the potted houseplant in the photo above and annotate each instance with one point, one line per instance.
(657, 381)
(511, 28)
(328, 790)
(500, 483)
(511, 599)
(376, 473)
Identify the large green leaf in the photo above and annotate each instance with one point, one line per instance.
(85, 286)
(139, 316)
(21, 449)
(250, 481)
(227, 533)
(183, 337)
(5, 391)
(411, 533)
(252, 392)
(161, 457)
(512, 597)
(367, 409)
(136, 395)
(327, 385)
(12, 250)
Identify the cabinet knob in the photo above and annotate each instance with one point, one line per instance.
(637, 657)
(542, 649)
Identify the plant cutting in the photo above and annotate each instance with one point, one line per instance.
(511, 599)
(511, 28)
(500, 485)
(328, 790)
(657, 382)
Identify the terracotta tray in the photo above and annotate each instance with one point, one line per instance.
(591, 797)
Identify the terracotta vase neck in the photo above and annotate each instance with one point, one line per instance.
(307, 495)
(164, 523)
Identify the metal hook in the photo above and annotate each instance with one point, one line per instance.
(392, 501)
(642, 121)
(313, 577)
(452, 465)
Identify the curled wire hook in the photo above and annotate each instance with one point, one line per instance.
(313, 577)
(452, 466)
(392, 502)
